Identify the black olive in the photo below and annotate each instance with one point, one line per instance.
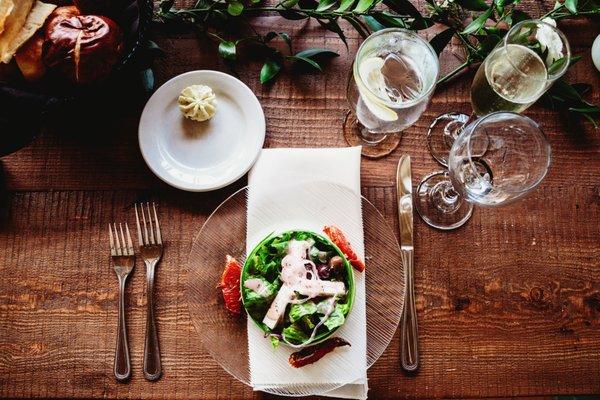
(324, 271)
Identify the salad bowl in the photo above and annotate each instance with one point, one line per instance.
(328, 287)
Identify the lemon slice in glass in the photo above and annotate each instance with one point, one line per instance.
(371, 77)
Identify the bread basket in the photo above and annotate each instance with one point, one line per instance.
(25, 107)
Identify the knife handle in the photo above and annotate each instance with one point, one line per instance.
(409, 330)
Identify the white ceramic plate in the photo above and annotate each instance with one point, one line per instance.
(202, 156)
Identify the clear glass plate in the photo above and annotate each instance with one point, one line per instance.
(225, 232)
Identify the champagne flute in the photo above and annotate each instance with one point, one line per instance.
(516, 73)
(494, 161)
(393, 77)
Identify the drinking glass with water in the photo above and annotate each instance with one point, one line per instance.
(393, 77)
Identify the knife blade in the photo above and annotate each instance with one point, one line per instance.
(405, 204)
(408, 325)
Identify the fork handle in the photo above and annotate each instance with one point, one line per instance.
(152, 364)
(409, 331)
(122, 361)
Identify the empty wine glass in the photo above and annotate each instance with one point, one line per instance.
(516, 73)
(393, 77)
(494, 161)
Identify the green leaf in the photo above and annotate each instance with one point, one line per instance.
(274, 341)
(308, 4)
(405, 7)
(517, 16)
(557, 65)
(473, 5)
(152, 47)
(259, 265)
(292, 15)
(571, 5)
(325, 5)
(235, 8)
(227, 50)
(441, 40)
(297, 311)
(316, 52)
(307, 323)
(358, 26)
(499, 4)
(333, 26)
(269, 70)
(591, 119)
(478, 22)
(487, 44)
(363, 5)
(289, 3)
(283, 35)
(337, 317)
(373, 24)
(306, 61)
(166, 5)
(345, 5)
(256, 303)
(582, 88)
(564, 90)
(591, 109)
(388, 21)
(294, 334)
(147, 78)
(573, 60)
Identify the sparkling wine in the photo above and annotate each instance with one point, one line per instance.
(511, 79)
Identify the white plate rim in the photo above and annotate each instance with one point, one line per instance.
(243, 171)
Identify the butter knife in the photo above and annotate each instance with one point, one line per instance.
(409, 332)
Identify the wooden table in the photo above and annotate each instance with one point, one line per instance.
(508, 305)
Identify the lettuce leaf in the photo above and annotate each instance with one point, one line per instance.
(297, 311)
(337, 317)
(260, 266)
(274, 341)
(255, 303)
(294, 334)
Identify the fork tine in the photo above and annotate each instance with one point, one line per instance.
(129, 243)
(111, 241)
(146, 242)
(118, 244)
(124, 248)
(139, 229)
(150, 223)
(158, 235)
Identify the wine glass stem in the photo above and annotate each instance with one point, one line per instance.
(455, 128)
(445, 198)
(369, 137)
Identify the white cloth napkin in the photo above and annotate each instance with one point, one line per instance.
(274, 170)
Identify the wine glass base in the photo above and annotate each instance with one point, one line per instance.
(373, 145)
(441, 134)
(432, 208)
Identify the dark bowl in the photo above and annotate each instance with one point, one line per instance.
(26, 107)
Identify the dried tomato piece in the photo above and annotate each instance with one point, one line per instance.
(230, 285)
(311, 354)
(337, 236)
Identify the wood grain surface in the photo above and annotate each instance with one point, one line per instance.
(508, 305)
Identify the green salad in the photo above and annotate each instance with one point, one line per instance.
(298, 287)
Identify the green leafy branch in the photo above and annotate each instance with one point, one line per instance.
(476, 24)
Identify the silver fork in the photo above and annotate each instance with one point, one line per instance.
(151, 248)
(123, 258)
